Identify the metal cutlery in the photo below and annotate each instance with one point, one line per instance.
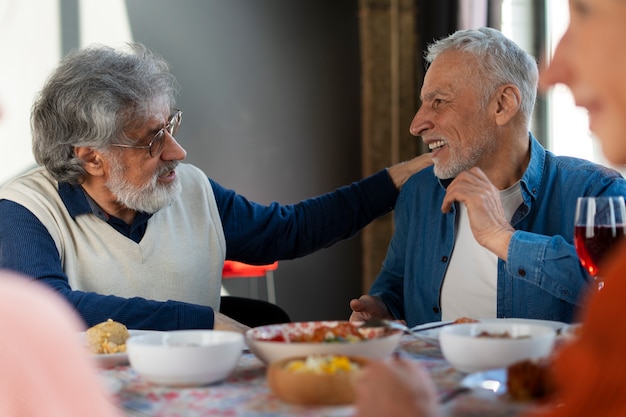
(423, 327)
(386, 323)
(397, 325)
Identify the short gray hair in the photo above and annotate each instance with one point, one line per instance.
(501, 60)
(91, 98)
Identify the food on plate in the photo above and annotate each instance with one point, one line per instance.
(315, 379)
(107, 337)
(323, 364)
(500, 335)
(503, 335)
(274, 342)
(465, 320)
(339, 333)
(529, 380)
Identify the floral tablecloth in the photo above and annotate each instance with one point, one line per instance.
(245, 393)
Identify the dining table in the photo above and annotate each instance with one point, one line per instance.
(245, 392)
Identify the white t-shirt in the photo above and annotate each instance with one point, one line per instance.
(470, 285)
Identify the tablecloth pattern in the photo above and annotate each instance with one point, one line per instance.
(245, 393)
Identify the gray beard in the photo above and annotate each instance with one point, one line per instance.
(459, 163)
(453, 169)
(149, 198)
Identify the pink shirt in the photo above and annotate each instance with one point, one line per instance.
(45, 369)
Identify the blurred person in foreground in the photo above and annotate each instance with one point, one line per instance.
(115, 223)
(488, 231)
(45, 370)
(589, 372)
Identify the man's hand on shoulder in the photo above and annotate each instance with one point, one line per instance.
(401, 172)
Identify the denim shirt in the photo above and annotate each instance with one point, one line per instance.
(542, 279)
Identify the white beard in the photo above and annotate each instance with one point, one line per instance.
(148, 198)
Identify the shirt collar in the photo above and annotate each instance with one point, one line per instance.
(75, 199)
(78, 202)
(531, 180)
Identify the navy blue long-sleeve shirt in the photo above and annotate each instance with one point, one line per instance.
(254, 233)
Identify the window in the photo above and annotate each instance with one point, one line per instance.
(566, 126)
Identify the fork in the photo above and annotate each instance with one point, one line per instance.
(386, 323)
(396, 325)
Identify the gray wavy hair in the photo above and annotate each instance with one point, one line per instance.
(501, 60)
(91, 98)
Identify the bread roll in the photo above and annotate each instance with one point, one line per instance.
(107, 337)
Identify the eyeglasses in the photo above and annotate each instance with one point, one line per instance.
(158, 140)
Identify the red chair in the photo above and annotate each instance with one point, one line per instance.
(234, 269)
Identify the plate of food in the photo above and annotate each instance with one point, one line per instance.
(431, 335)
(107, 342)
(279, 341)
(527, 380)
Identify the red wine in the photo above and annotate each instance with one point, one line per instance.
(592, 249)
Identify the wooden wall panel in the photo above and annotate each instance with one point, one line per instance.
(391, 67)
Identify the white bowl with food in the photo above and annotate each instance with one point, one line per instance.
(476, 347)
(185, 357)
(274, 342)
(429, 332)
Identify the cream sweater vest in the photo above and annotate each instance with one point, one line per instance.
(179, 258)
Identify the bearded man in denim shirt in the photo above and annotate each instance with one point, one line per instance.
(488, 230)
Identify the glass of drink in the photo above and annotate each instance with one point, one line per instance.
(598, 227)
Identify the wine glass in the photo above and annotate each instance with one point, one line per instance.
(598, 227)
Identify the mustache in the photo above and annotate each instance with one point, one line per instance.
(167, 167)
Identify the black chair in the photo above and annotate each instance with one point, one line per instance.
(252, 312)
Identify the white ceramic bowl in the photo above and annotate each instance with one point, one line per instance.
(185, 357)
(467, 352)
(268, 342)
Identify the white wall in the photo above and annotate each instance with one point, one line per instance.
(31, 47)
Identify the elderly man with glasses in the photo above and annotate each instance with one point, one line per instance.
(121, 228)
